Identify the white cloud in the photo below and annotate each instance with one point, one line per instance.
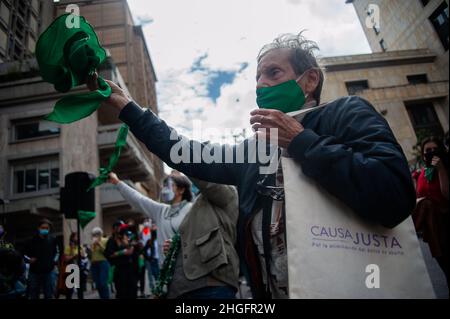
(231, 32)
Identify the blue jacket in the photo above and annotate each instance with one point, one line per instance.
(347, 147)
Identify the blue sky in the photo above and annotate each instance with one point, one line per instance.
(204, 51)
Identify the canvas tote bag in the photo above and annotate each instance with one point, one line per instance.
(332, 253)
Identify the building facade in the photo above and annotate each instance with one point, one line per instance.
(406, 76)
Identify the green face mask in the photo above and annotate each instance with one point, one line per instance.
(285, 97)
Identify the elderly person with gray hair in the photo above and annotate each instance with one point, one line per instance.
(346, 146)
(99, 264)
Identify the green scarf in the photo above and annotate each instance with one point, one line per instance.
(429, 173)
(104, 171)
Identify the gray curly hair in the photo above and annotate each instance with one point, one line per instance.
(303, 57)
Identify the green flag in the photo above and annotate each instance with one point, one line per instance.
(104, 171)
(85, 217)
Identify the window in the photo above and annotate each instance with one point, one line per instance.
(356, 87)
(4, 13)
(37, 176)
(383, 45)
(425, 2)
(439, 19)
(424, 118)
(417, 79)
(34, 128)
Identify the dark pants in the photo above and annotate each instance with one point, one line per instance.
(38, 281)
(125, 282)
(100, 273)
(219, 292)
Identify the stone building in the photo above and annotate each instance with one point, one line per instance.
(36, 155)
(406, 76)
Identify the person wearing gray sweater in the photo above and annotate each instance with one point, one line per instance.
(167, 216)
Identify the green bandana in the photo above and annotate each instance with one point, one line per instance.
(66, 57)
(285, 97)
(104, 171)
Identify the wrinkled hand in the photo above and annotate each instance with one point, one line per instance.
(287, 127)
(113, 179)
(118, 99)
(166, 246)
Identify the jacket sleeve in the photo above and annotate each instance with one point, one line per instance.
(179, 152)
(218, 194)
(360, 162)
(140, 202)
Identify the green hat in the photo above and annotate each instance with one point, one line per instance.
(66, 56)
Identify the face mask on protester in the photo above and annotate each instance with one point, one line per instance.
(285, 97)
(43, 232)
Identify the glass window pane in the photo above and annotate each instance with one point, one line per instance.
(35, 129)
(54, 177)
(18, 182)
(30, 180)
(43, 179)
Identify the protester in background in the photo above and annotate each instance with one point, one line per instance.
(346, 146)
(99, 264)
(43, 255)
(176, 195)
(151, 255)
(431, 215)
(119, 253)
(115, 231)
(207, 263)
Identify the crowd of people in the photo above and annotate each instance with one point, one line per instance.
(114, 265)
